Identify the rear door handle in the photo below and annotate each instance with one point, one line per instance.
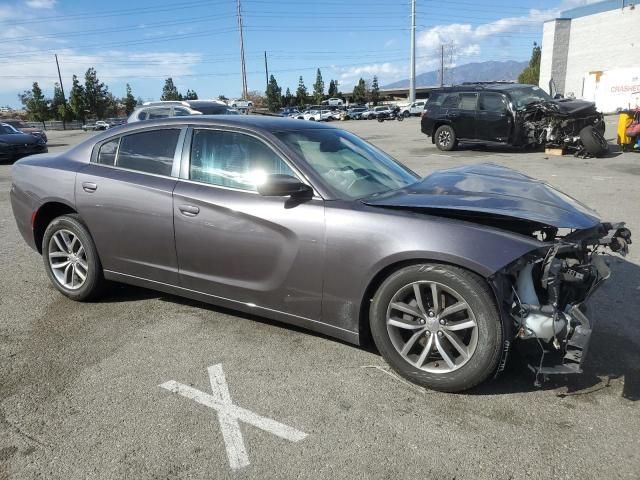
(89, 187)
(189, 210)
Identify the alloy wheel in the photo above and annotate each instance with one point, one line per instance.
(444, 138)
(68, 259)
(432, 327)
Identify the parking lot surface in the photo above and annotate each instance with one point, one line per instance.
(80, 393)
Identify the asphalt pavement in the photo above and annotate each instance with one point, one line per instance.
(84, 392)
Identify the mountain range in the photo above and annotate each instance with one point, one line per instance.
(469, 72)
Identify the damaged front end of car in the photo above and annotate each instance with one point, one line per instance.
(544, 293)
(572, 125)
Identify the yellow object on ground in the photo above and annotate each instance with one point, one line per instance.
(624, 120)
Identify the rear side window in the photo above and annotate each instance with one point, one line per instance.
(468, 101)
(108, 151)
(149, 152)
(233, 160)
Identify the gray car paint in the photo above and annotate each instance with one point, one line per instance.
(309, 263)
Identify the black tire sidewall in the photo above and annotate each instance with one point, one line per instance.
(452, 143)
(591, 142)
(480, 299)
(94, 282)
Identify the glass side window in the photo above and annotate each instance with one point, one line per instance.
(181, 112)
(492, 102)
(468, 101)
(149, 152)
(107, 152)
(450, 101)
(158, 113)
(234, 160)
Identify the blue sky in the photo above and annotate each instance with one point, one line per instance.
(196, 41)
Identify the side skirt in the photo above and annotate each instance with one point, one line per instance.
(310, 324)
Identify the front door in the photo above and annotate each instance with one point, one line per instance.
(124, 195)
(494, 119)
(234, 243)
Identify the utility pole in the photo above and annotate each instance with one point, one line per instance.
(64, 100)
(442, 65)
(412, 76)
(266, 67)
(244, 71)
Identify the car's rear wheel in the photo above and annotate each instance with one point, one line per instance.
(438, 326)
(406, 114)
(445, 138)
(71, 259)
(594, 141)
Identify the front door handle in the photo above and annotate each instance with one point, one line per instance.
(189, 210)
(89, 187)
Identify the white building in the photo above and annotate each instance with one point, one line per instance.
(593, 52)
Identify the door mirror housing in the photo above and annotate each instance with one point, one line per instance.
(281, 185)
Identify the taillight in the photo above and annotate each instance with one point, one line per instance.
(33, 218)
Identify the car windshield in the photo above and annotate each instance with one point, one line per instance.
(18, 124)
(351, 166)
(6, 129)
(524, 96)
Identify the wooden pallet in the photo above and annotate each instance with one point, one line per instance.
(555, 151)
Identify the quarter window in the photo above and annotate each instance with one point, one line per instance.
(107, 152)
(231, 159)
(149, 152)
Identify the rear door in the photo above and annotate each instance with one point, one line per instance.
(494, 120)
(234, 243)
(461, 113)
(124, 195)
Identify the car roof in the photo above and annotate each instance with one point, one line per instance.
(480, 86)
(266, 123)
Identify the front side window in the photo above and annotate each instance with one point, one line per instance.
(107, 152)
(149, 152)
(492, 102)
(235, 160)
(351, 166)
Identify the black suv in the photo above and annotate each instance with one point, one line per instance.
(512, 114)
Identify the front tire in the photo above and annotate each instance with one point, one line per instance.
(437, 326)
(71, 259)
(594, 141)
(445, 138)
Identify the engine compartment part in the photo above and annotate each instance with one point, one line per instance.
(548, 291)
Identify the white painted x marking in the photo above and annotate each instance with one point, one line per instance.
(229, 414)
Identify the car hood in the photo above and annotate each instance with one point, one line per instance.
(490, 190)
(19, 138)
(564, 107)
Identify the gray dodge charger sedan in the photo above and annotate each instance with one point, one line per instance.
(310, 225)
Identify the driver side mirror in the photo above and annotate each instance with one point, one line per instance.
(281, 185)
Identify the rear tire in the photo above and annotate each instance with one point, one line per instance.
(445, 138)
(593, 141)
(71, 259)
(403, 337)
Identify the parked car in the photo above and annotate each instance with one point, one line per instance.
(373, 113)
(15, 144)
(354, 113)
(416, 108)
(211, 107)
(289, 112)
(337, 102)
(311, 225)
(99, 125)
(318, 115)
(152, 112)
(25, 128)
(512, 114)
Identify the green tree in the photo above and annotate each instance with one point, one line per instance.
(95, 94)
(222, 98)
(76, 100)
(274, 94)
(360, 92)
(129, 101)
(288, 98)
(170, 91)
(531, 73)
(318, 88)
(58, 108)
(111, 106)
(333, 89)
(191, 95)
(301, 93)
(35, 103)
(375, 91)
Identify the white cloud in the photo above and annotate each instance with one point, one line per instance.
(43, 4)
(349, 76)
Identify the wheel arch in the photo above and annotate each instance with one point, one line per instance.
(384, 271)
(43, 216)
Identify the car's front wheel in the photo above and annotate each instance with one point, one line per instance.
(438, 326)
(71, 259)
(445, 138)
